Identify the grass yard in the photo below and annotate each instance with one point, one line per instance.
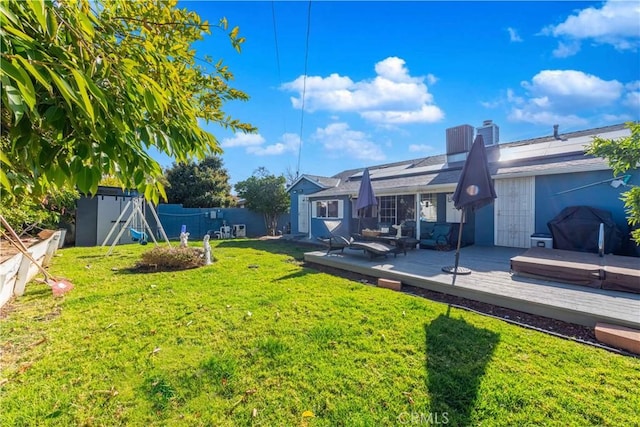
(257, 339)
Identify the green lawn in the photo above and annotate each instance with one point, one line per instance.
(256, 339)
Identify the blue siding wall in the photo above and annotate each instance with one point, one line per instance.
(302, 187)
(601, 196)
(441, 207)
(199, 221)
(484, 225)
(319, 225)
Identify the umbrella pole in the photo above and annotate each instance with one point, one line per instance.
(454, 270)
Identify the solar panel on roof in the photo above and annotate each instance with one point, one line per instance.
(379, 172)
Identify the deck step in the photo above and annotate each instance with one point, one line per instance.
(619, 336)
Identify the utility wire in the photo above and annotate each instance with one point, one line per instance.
(275, 35)
(304, 86)
(282, 104)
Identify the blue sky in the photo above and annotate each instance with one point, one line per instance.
(385, 80)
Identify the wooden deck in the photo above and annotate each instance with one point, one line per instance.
(491, 282)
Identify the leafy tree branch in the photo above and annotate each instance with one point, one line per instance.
(623, 155)
(89, 87)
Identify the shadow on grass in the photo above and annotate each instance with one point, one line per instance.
(291, 248)
(303, 272)
(457, 356)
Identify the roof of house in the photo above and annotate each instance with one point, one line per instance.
(320, 181)
(540, 156)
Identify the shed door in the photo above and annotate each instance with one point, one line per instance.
(109, 209)
(303, 214)
(515, 212)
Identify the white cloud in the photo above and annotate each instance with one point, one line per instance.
(289, 143)
(420, 148)
(564, 50)
(559, 96)
(513, 35)
(243, 140)
(393, 96)
(617, 118)
(511, 97)
(632, 99)
(339, 140)
(254, 144)
(491, 104)
(545, 117)
(570, 88)
(393, 69)
(428, 113)
(615, 23)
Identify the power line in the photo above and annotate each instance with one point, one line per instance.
(304, 86)
(282, 105)
(275, 35)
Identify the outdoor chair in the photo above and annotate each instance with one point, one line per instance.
(440, 237)
(334, 243)
(373, 249)
(409, 228)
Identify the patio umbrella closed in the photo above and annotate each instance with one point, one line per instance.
(474, 190)
(366, 196)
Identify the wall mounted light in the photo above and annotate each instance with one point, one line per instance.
(620, 181)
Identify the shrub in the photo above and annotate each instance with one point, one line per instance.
(163, 258)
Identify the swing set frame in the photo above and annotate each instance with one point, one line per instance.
(137, 217)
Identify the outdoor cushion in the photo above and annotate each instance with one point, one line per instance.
(440, 236)
(409, 228)
(374, 249)
(335, 243)
(426, 229)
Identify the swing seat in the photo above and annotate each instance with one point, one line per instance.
(138, 236)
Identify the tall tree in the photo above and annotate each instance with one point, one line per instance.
(266, 194)
(89, 86)
(199, 185)
(623, 154)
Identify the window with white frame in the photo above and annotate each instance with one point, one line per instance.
(453, 214)
(396, 209)
(369, 212)
(387, 209)
(429, 207)
(327, 209)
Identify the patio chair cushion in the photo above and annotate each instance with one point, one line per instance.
(426, 229)
(374, 249)
(335, 243)
(440, 236)
(409, 228)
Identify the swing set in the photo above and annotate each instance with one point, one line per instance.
(136, 224)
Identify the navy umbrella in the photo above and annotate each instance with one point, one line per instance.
(366, 196)
(474, 190)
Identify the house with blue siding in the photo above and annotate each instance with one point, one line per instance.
(534, 180)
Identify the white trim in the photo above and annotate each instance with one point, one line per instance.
(306, 177)
(303, 201)
(532, 204)
(314, 208)
(553, 171)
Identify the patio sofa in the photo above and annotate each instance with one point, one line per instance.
(436, 235)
